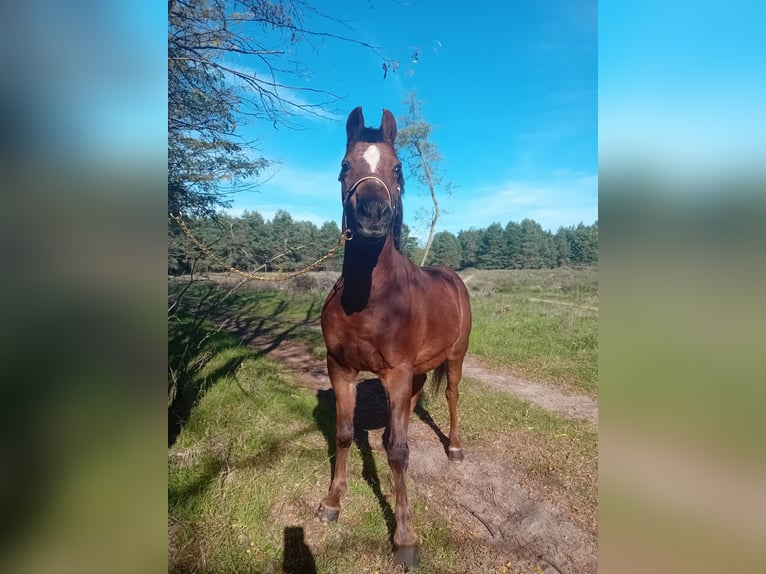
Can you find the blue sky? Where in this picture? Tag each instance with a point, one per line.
(509, 88)
(682, 86)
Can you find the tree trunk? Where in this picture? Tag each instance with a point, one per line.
(435, 217)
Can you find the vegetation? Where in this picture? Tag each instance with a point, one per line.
(251, 459)
(252, 243)
(422, 156)
(541, 324)
(208, 95)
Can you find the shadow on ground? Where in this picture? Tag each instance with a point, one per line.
(199, 331)
(370, 414)
(298, 558)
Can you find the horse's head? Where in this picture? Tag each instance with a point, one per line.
(371, 179)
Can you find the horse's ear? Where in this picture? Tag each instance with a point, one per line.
(354, 124)
(388, 127)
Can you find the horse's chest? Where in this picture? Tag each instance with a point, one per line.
(366, 342)
(363, 355)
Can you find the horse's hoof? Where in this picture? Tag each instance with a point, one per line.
(327, 514)
(455, 454)
(408, 556)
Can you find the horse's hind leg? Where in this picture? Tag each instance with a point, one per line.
(344, 384)
(454, 374)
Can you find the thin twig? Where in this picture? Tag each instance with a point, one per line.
(553, 564)
(480, 519)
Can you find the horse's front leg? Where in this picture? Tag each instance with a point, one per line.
(344, 384)
(398, 385)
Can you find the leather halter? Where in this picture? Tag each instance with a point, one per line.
(350, 191)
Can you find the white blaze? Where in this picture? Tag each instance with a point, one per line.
(372, 157)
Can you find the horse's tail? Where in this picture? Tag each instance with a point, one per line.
(438, 377)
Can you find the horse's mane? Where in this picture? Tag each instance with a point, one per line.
(396, 229)
(369, 135)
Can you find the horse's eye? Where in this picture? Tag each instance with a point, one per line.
(398, 169)
(344, 167)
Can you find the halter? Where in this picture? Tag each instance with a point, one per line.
(350, 191)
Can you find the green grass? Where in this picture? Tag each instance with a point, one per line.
(273, 314)
(250, 442)
(251, 460)
(541, 324)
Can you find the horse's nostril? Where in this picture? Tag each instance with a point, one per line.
(374, 208)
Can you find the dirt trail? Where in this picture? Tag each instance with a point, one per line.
(570, 405)
(575, 406)
(493, 502)
(564, 303)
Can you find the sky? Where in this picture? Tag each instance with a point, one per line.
(510, 90)
(682, 86)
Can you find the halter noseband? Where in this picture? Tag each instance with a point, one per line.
(350, 191)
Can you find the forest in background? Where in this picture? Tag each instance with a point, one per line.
(252, 243)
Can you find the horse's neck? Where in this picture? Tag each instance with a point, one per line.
(366, 268)
(362, 260)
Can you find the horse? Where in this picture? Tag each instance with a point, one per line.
(388, 316)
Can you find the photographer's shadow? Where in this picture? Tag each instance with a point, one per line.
(298, 558)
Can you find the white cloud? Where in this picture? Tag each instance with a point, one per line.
(307, 194)
(296, 181)
(567, 198)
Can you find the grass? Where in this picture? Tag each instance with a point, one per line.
(252, 457)
(541, 324)
(273, 314)
(252, 462)
(538, 323)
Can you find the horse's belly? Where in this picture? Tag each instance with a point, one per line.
(363, 356)
(429, 364)
(433, 350)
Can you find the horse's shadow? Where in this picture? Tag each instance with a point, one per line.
(370, 413)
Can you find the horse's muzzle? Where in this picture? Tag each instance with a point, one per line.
(373, 217)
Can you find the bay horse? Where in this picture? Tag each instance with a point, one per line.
(388, 316)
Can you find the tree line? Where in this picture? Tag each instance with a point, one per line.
(252, 243)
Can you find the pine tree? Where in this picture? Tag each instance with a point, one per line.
(445, 250)
(513, 245)
(470, 242)
(492, 250)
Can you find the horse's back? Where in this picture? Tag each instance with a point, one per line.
(455, 286)
(449, 305)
